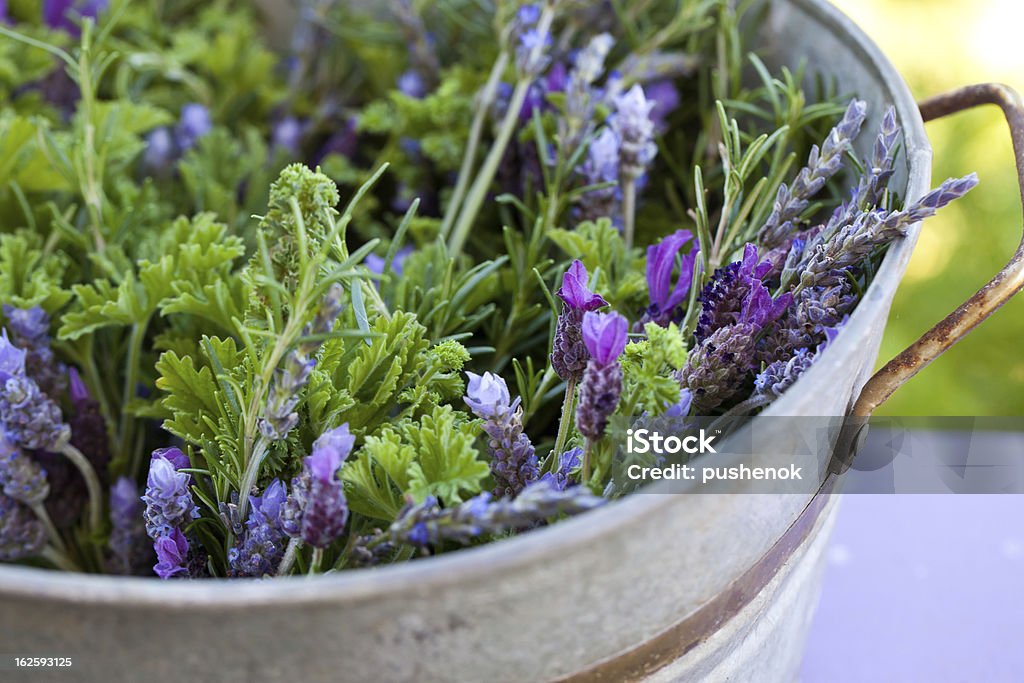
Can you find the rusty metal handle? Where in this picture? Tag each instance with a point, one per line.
(989, 298)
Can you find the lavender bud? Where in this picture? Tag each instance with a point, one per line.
(633, 125)
(822, 164)
(130, 551)
(599, 397)
(88, 428)
(160, 151)
(169, 503)
(21, 477)
(723, 298)
(260, 550)
(600, 167)
(317, 510)
(427, 524)
(22, 535)
(411, 84)
(195, 122)
(513, 459)
(30, 330)
(287, 135)
(172, 554)
(569, 355)
(60, 14)
(30, 419)
(718, 368)
(779, 376)
(279, 416)
(568, 462)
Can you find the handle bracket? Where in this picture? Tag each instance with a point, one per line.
(1000, 289)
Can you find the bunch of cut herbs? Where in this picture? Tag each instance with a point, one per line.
(377, 296)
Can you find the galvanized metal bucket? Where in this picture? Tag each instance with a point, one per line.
(652, 587)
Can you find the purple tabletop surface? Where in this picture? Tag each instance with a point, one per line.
(923, 588)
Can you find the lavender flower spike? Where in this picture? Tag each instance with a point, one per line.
(633, 125)
(30, 419)
(21, 478)
(22, 535)
(600, 168)
(427, 524)
(169, 503)
(666, 299)
(172, 554)
(513, 459)
(30, 330)
(260, 551)
(821, 165)
(316, 511)
(605, 336)
(779, 376)
(130, 550)
(195, 122)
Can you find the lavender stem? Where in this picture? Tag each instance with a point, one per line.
(92, 484)
(58, 559)
(51, 530)
(629, 210)
(289, 557)
(475, 132)
(563, 425)
(485, 176)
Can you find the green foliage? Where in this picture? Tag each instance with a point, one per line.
(648, 368)
(430, 456)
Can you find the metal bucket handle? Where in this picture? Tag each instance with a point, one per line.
(1000, 289)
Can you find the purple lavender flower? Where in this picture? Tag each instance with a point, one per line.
(822, 164)
(169, 503)
(575, 290)
(22, 535)
(428, 524)
(130, 550)
(29, 418)
(175, 456)
(828, 257)
(666, 99)
(4, 17)
(719, 367)
(530, 43)
(30, 330)
(722, 299)
(487, 395)
(600, 167)
(513, 459)
(633, 125)
(260, 551)
(667, 300)
(195, 122)
(21, 478)
(779, 376)
(411, 84)
(160, 151)
(286, 135)
(605, 336)
(316, 511)
(375, 263)
(568, 462)
(60, 14)
(172, 554)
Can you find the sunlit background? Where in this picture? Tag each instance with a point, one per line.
(938, 45)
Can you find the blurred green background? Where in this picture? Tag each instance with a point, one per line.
(939, 45)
